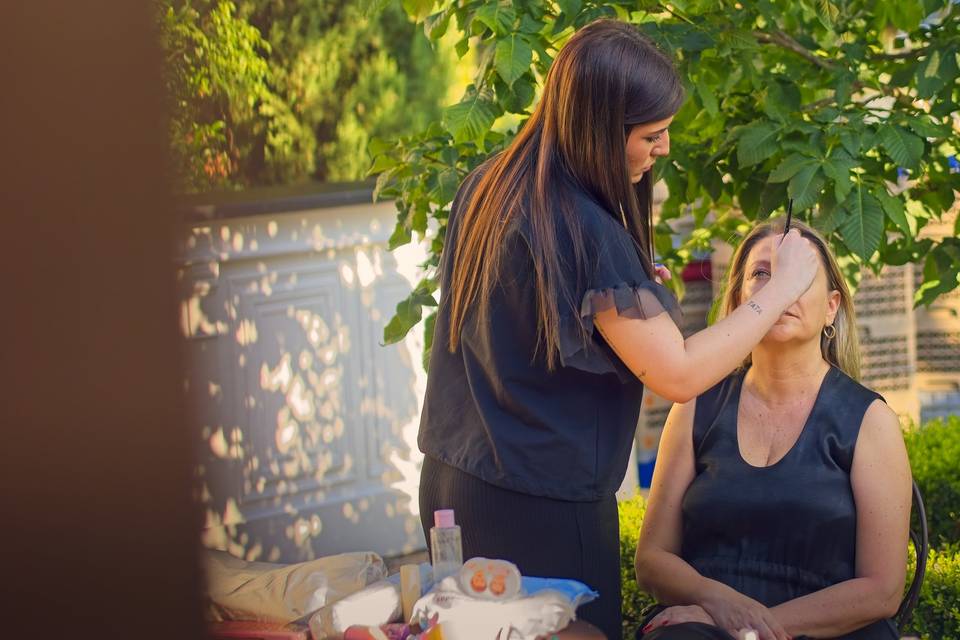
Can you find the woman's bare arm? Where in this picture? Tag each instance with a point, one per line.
(679, 369)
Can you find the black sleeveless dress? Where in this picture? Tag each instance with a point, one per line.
(783, 531)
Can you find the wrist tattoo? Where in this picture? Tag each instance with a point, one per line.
(753, 305)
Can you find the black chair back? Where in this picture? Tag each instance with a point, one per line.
(921, 544)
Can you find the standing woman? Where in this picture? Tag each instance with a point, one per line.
(551, 321)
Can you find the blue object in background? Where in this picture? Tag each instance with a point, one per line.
(574, 591)
(645, 472)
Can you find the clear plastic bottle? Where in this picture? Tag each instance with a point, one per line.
(446, 550)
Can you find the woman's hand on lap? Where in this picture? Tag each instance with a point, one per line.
(736, 612)
(678, 614)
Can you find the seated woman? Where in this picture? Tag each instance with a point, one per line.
(781, 497)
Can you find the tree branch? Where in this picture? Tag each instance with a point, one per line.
(902, 55)
(783, 40)
(902, 99)
(674, 13)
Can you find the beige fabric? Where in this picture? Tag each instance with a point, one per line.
(241, 590)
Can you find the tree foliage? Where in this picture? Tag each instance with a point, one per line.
(278, 91)
(837, 105)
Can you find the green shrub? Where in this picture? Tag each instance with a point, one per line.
(937, 615)
(934, 451)
(634, 600)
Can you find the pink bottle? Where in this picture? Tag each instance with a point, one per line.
(446, 549)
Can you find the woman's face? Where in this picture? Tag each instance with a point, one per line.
(645, 143)
(805, 318)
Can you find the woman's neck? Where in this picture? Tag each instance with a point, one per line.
(786, 372)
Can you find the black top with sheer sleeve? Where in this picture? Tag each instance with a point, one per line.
(492, 408)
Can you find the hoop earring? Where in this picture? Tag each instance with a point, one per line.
(831, 334)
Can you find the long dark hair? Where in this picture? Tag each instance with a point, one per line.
(606, 79)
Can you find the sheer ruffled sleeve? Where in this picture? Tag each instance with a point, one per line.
(610, 277)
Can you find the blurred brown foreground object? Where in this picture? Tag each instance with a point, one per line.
(99, 538)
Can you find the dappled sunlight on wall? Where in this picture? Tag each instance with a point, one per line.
(306, 424)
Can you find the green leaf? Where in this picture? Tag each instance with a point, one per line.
(925, 128)
(757, 142)
(863, 226)
(470, 119)
(447, 184)
(401, 235)
(379, 145)
(372, 8)
(436, 25)
(418, 9)
(772, 198)
(781, 100)
(831, 216)
(544, 58)
(805, 187)
(513, 57)
(407, 316)
(517, 98)
(936, 72)
(897, 213)
(838, 168)
(569, 10)
(827, 12)
(842, 89)
(530, 25)
(498, 17)
(851, 140)
(941, 273)
(418, 221)
(429, 327)
(594, 13)
(707, 96)
(381, 163)
(749, 197)
(789, 167)
(905, 148)
(696, 40)
(462, 46)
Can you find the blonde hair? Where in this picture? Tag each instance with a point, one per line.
(843, 350)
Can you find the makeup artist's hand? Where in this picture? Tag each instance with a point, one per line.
(795, 264)
(662, 272)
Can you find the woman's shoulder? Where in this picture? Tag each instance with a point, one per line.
(877, 414)
(590, 212)
(851, 412)
(848, 388)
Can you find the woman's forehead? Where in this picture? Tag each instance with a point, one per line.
(657, 125)
(762, 249)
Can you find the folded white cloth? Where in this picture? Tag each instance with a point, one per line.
(465, 617)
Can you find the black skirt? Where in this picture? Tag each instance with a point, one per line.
(544, 537)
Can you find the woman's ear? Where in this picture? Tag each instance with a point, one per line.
(833, 305)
